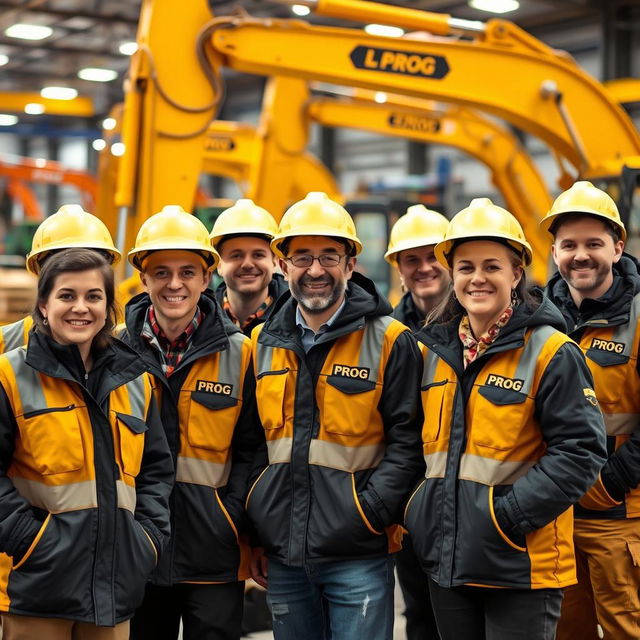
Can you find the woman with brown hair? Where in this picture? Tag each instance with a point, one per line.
(85, 470)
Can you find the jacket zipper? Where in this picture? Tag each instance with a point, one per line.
(39, 412)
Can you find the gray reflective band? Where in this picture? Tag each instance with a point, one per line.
(529, 359)
(203, 472)
(371, 346)
(350, 459)
(126, 496)
(429, 369)
(13, 335)
(490, 471)
(436, 464)
(620, 424)
(625, 333)
(230, 363)
(264, 358)
(135, 389)
(279, 450)
(59, 498)
(28, 383)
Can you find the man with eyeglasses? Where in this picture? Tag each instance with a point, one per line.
(337, 390)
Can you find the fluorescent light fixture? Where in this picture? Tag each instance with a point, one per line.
(59, 93)
(384, 30)
(495, 6)
(34, 108)
(6, 119)
(128, 48)
(117, 149)
(300, 10)
(3, 59)
(380, 97)
(28, 31)
(40, 163)
(98, 144)
(108, 124)
(94, 74)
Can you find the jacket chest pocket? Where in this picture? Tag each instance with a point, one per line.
(270, 391)
(499, 417)
(347, 405)
(212, 419)
(52, 438)
(432, 405)
(611, 367)
(131, 431)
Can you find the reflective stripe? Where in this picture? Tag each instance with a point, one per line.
(436, 464)
(491, 472)
(619, 424)
(13, 335)
(196, 471)
(279, 450)
(264, 358)
(126, 496)
(60, 498)
(429, 369)
(135, 389)
(625, 333)
(28, 383)
(230, 363)
(529, 359)
(371, 345)
(351, 459)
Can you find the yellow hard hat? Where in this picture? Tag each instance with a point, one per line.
(316, 215)
(172, 229)
(69, 227)
(244, 218)
(583, 197)
(418, 227)
(483, 220)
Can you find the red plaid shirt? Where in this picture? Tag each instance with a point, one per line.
(258, 313)
(171, 353)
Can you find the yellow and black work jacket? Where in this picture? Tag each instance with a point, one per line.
(407, 312)
(608, 332)
(85, 477)
(15, 335)
(208, 412)
(342, 429)
(510, 443)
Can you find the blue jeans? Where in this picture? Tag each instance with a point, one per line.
(348, 600)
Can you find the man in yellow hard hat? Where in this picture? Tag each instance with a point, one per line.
(410, 250)
(242, 237)
(337, 392)
(200, 362)
(70, 227)
(597, 288)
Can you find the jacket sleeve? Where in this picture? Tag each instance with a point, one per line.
(573, 430)
(19, 523)
(155, 480)
(403, 464)
(248, 447)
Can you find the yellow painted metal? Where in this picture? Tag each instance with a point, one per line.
(624, 90)
(80, 107)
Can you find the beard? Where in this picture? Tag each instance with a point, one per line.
(586, 284)
(317, 302)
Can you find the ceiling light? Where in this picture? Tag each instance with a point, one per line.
(108, 124)
(59, 93)
(28, 31)
(117, 149)
(384, 30)
(380, 97)
(300, 10)
(495, 6)
(97, 75)
(128, 48)
(98, 144)
(3, 59)
(41, 163)
(6, 119)
(34, 108)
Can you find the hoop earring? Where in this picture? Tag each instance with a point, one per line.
(514, 296)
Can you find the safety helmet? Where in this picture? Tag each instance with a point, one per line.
(418, 227)
(483, 220)
(173, 228)
(583, 197)
(69, 227)
(244, 218)
(316, 215)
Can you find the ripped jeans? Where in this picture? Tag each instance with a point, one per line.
(347, 600)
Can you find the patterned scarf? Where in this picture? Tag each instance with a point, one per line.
(472, 348)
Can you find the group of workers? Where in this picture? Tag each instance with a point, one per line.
(293, 427)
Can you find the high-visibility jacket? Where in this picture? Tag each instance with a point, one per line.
(208, 412)
(510, 443)
(608, 332)
(85, 480)
(15, 335)
(342, 431)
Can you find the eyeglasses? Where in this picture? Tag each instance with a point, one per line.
(305, 260)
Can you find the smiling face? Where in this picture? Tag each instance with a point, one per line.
(483, 277)
(422, 274)
(76, 308)
(246, 264)
(174, 281)
(584, 252)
